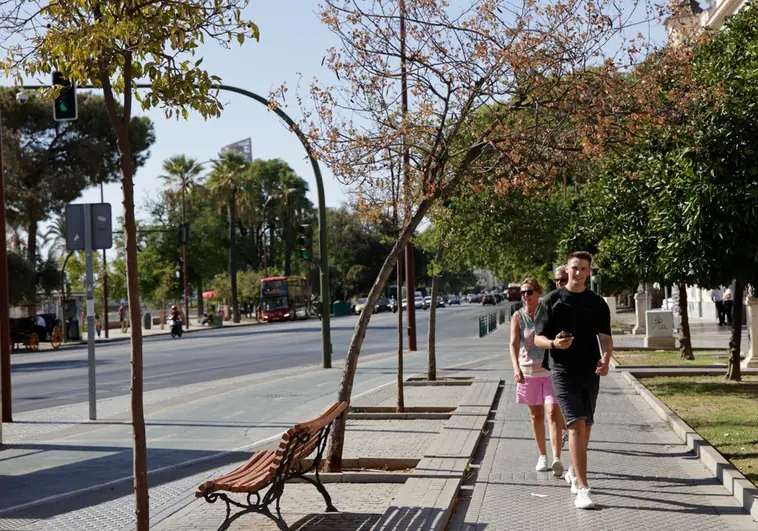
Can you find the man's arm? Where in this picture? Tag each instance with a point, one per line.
(606, 345)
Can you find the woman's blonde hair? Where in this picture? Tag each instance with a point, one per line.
(533, 282)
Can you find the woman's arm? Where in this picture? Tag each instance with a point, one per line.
(515, 347)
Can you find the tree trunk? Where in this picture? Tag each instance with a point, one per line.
(200, 301)
(233, 256)
(31, 242)
(288, 241)
(733, 372)
(431, 370)
(685, 339)
(271, 246)
(400, 390)
(121, 126)
(337, 437)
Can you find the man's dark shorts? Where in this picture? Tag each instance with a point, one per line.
(576, 394)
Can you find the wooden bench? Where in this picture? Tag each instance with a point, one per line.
(273, 468)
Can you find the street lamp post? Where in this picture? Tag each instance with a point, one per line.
(185, 267)
(5, 325)
(265, 247)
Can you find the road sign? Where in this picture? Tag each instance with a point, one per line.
(101, 226)
(243, 147)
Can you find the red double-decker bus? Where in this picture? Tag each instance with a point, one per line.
(284, 299)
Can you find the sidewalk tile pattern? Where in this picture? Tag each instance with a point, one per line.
(642, 477)
(389, 438)
(415, 396)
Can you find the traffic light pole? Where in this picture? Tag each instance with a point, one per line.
(326, 339)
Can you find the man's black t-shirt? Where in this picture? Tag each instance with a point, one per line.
(585, 315)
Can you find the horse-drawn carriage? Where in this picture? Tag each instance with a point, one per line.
(26, 331)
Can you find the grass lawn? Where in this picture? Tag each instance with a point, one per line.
(723, 413)
(670, 357)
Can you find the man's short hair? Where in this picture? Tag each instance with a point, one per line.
(581, 255)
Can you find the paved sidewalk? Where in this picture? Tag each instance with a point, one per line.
(641, 474)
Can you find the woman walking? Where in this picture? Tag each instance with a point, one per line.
(534, 383)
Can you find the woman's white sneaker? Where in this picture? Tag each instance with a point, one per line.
(570, 478)
(557, 467)
(582, 500)
(541, 464)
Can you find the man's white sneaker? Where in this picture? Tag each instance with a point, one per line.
(541, 464)
(582, 500)
(557, 467)
(570, 478)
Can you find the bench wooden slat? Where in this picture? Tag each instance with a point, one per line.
(258, 471)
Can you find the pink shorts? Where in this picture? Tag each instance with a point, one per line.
(536, 391)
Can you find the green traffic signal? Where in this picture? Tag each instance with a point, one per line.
(64, 108)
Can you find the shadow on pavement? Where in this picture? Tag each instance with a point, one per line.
(111, 464)
(55, 365)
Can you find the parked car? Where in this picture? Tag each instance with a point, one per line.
(420, 303)
(383, 305)
(360, 304)
(475, 297)
(513, 292)
(453, 299)
(488, 299)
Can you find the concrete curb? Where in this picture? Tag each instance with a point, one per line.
(738, 486)
(428, 498)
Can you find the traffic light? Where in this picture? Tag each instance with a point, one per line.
(183, 234)
(304, 241)
(64, 107)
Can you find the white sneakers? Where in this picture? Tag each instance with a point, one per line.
(570, 478)
(557, 467)
(582, 500)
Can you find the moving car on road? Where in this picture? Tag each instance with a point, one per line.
(453, 299)
(384, 305)
(360, 304)
(513, 292)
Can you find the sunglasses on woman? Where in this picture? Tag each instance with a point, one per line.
(528, 292)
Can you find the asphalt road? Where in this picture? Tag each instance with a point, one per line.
(49, 379)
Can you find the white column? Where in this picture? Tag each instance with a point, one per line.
(611, 302)
(641, 305)
(751, 305)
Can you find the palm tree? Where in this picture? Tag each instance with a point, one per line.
(230, 173)
(180, 171)
(55, 236)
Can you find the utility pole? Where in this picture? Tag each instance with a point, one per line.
(105, 278)
(185, 243)
(410, 284)
(5, 324)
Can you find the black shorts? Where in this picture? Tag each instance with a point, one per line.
(576, 394)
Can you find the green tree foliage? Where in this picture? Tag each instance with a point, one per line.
(49, 164)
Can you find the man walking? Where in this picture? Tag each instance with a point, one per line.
(717, 296)
(569, 322)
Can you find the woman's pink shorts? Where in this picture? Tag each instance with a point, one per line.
(536, 391)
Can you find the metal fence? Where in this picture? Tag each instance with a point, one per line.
(488, 323)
